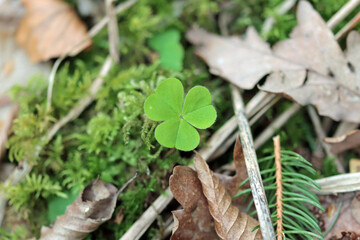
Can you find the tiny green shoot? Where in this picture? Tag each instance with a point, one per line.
(180, 117)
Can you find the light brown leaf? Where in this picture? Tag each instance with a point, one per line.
(345, 222)
(92, 207)
(230, 223)
(345, 142)
(241, 61)
(49, 29)
(309, 68)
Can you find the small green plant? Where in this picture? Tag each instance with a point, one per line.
(180, 117)
(171, 52)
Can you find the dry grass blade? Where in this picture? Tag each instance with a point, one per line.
(279, 189)
(49, 29)
(229, 222)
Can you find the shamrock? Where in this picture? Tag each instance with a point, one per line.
(180, 117)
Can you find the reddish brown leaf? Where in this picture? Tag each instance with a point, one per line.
(194, 221)
(344, 142)
(92, 207)
(231, 183)
(49, 29)
(230, 223)
(309, 68)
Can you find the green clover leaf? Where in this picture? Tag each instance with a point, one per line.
(180, 117)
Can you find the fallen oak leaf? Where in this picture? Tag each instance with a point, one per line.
(230, 223)
(309, 68)
(243, 62)
(332, 83)
(49, 29)
(94, 206)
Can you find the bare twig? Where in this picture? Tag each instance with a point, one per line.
(113, 30)
(342, 13)
(252, 167)
(230, 141)
(92, 32)
(275, 125)
(347, 28)
(279, 188)
(280, 10)
(264, 109)
(127, 183)
(344, 128)
(321, 136)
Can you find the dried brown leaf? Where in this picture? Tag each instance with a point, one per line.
(230, 223)
(241, 61)
(345, 142)
(92, 207)
(49, 29)
(231, 183)
(194, 221)
(309, 68)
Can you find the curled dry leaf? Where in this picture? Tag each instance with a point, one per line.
(230, 223)
(195, 221)
(345, 142)
(93, 206)
(309, 68)
(49, 29)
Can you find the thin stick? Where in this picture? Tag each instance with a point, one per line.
(321, 136)
(280, 10)
(113, 30)
(279, 188)
(347, 28)
(275, 125)
(252, 167)
(230, 141)
(93, 32)
(127, 183)
(263, 110)
(345, 127)
(342, 13)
